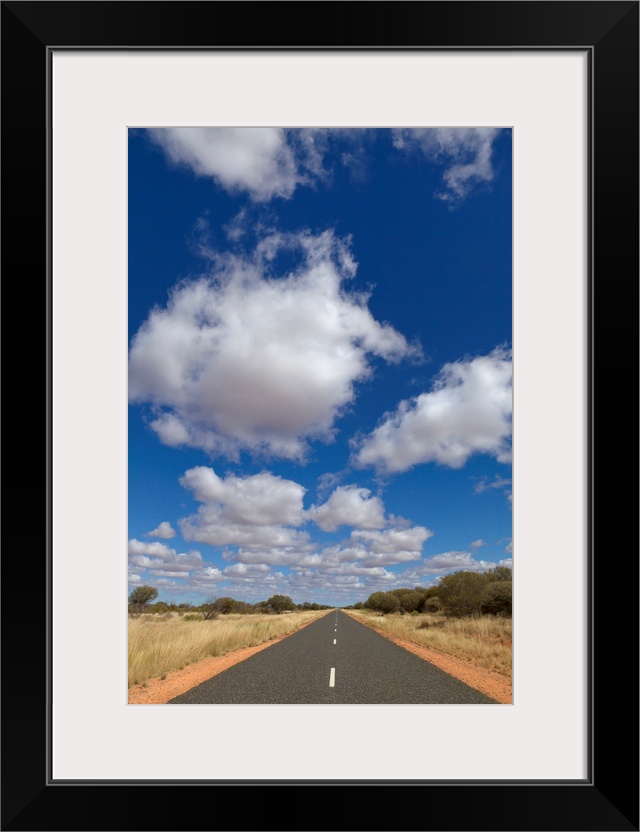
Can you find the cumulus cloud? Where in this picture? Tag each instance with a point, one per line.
(169, 573)
(258, 500)
(272, 162)
(254, 511)
(292, 556)
(164, 530)
(255, 160)
(208, 526)
(346, 582)
(159, 561)
(390, 546)
(241, 581)
(141, 561)
(346, 569)
(205, 579)
(179, 563)
(394, 540)
(365, 551)
(156, 550)
(476, 544)
(349, 506)
(245, 360)
(257, 516)
(246, 571)
(263, 162)
(466, 151)
(467, 411)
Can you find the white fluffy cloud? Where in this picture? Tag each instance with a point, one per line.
(384, 548)
(158, 560)
(270, 162)
(258, 517)
(209, 526)
(244, 360)
(467, 411)
(363, 553)
(164, 530)
(263, 162)
(346, 582)
(258, 500)
(156, 550)
(466, 150)
(254, 511)
(349, 506)
(256, 160)
(391, 541)
(141, 561)
(292, 556)
(180, 562)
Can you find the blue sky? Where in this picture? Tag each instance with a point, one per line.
(320, 328)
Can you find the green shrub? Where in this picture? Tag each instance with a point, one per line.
(410, 601)
(497, 598)
(461, 593)
(280, 603)
(384, 602)
(139, 599)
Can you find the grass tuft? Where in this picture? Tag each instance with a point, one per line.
(484, 640)
(157, 646)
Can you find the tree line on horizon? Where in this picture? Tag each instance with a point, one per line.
(459, 594)
(141, 597)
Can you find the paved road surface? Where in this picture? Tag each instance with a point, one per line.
(334, 660)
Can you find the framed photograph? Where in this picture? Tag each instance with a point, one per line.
(547, 92)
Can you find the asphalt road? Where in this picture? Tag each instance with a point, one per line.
(334, 660)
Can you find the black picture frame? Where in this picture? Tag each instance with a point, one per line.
(608, 798)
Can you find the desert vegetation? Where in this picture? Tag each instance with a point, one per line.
(160, 643)
(457, 595)
(141, 596)
(484, 640)
(466, 615)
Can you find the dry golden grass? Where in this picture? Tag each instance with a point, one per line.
(486, 640)
(158, 645)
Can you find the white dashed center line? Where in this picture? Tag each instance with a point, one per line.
(332, 678)
(334, 641)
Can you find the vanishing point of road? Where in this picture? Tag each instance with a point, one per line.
(334, 660)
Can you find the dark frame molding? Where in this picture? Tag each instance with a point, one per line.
(608, 799)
